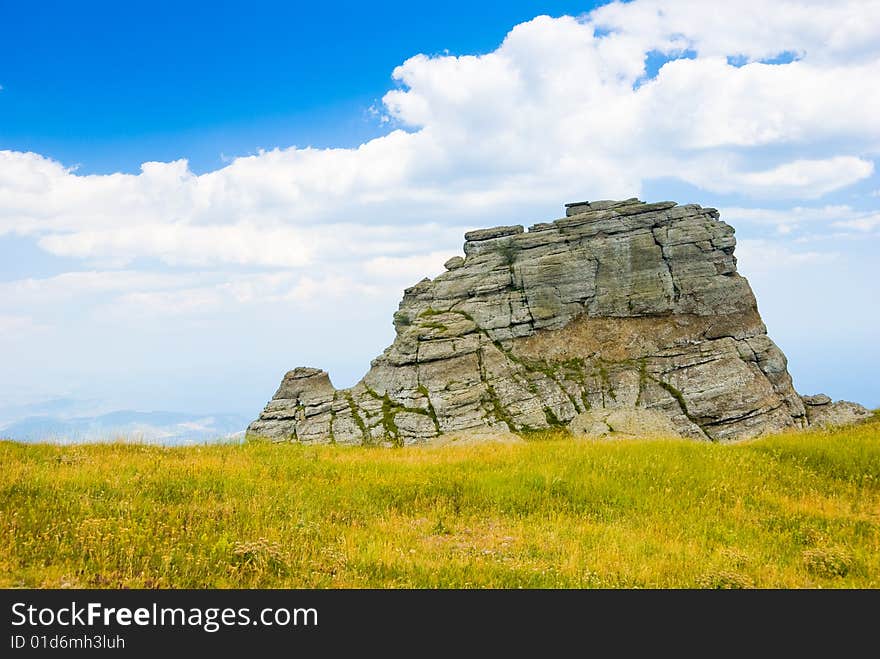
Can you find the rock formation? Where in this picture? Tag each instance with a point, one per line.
(619, 305)
(822, 412)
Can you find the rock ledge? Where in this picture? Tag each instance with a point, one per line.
(619, 305)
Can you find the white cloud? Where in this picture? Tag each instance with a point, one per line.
(240, 243)
(798, 214)
(411, 268)
(18, 326)
(786, 221)
(764, 256)
(554, 113)
(805, 179)
(845, 30)
(129, 293)
(813, 177)
(867, 222)
(51, 290)
(760, 104)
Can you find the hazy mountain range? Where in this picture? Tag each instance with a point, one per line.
(62, 420)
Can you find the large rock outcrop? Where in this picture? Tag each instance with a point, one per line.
(620, 304)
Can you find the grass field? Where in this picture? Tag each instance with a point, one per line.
(797, 510)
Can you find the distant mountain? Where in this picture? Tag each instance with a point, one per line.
(62, 408)
(152, 427)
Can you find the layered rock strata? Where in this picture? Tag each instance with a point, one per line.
(620, 304)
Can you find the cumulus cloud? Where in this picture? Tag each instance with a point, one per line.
(560, 110)
(241, 243)
(844, 30)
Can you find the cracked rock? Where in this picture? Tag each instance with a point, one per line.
(622, 315)
(824, 413)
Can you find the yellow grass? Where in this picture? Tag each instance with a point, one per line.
(797, 510)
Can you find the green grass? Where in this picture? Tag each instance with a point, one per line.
(796, 510)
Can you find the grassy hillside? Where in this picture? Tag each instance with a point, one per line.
(799, 510)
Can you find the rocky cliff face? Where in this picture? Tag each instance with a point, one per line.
(620, 304)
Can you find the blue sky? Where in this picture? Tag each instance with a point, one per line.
(193, 200)
(109, 85)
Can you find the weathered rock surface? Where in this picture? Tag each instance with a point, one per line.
(476, 436)
(822, 412)
(625, 421)
(620, 304)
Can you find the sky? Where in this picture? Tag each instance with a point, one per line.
(195, 200)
